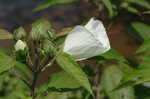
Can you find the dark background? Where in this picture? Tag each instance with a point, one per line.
(15, 13)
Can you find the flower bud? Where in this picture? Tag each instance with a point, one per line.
(48, 47)
(41, 30)
(19, 33)
(20, 45)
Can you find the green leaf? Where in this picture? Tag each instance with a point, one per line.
(49, 3)
(57, 80)
(146, 12)
(5, 35)
(132, 10)
(113, 55)
(141, 30)
(109, 6)
(68, 64)
(145, 60)
(110, 79)
(144, 51)
(129, 8)
(143, 3)
(6, 62)
(13, 87)
(64, 95)
(136, 77)
(23, 71)
(145, 47)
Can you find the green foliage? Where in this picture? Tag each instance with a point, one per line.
(132, 10)
(143, 3)
(109, 6)
(128, 5)
(125, 4)
(114, 55)
(142, 29)
(6, 62)
(146, 12)
(67, 63)
(12, 88)
(4, 35)
(49, 3)
(145, 47)
(21, 70)
(64, 95)
(57, 80)
(110, 79)
(135, 77)
(142, 73)
(144, 58)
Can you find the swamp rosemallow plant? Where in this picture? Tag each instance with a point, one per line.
(82, 42)
(39, 49)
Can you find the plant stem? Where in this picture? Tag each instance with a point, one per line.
(35, 71)
(49, 64)
(33, 86)
(97, 82)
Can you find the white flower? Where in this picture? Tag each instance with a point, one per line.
(87, 41)
(20, 45)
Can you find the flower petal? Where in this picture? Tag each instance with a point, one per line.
(97, 28)
(81, 44)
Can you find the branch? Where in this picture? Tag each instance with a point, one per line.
(49, 64)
